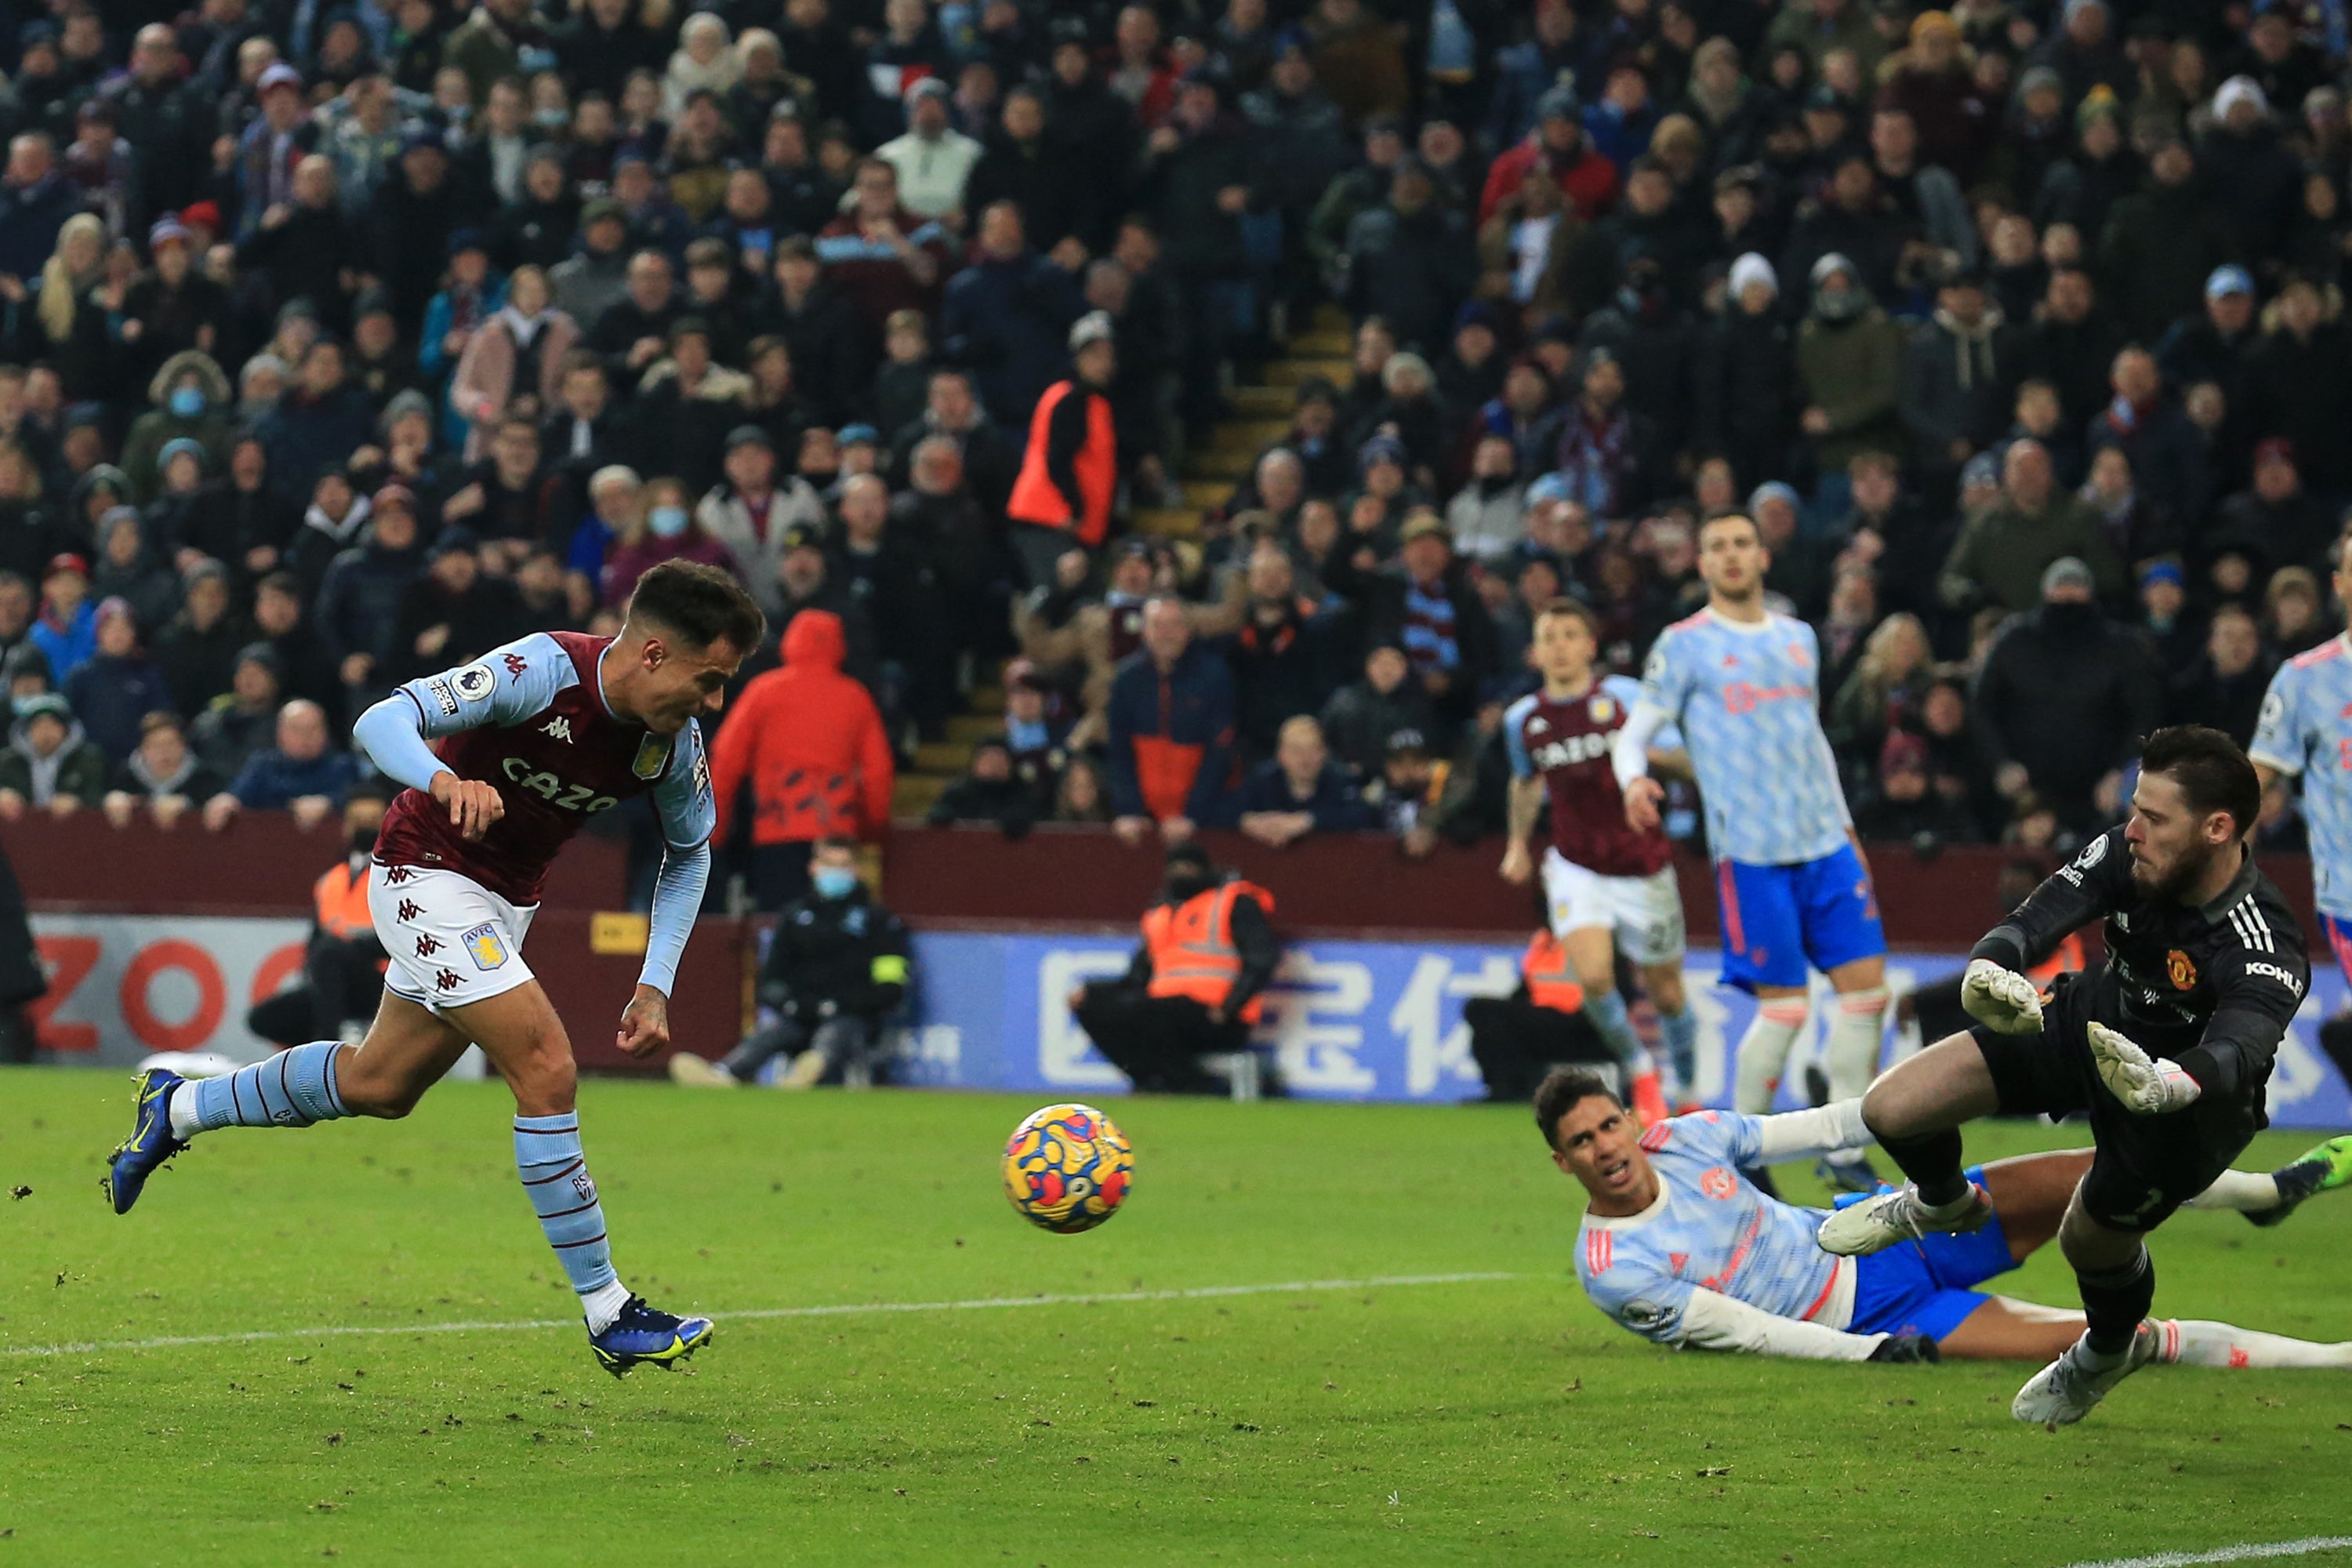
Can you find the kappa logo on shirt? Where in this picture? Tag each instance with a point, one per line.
(559, 726)
(515, 664)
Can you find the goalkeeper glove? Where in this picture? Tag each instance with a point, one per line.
(2148, 1086)
(2001, 999)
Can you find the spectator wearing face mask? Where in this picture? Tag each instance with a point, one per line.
(836, 969)
(192, 401)
(663, 531)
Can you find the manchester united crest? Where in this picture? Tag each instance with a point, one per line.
(2179, 970)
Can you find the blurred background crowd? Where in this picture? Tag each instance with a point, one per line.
(1165, 415)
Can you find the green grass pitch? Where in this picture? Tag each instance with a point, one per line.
(1492, 1421)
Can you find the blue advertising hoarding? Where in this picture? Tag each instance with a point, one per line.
(1359, 1020)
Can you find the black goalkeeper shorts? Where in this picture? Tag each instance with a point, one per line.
(2146, 1166)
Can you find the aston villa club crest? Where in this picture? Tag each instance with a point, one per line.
(484, 946)
(2179, 970)
(653, 751)
(1603, 709)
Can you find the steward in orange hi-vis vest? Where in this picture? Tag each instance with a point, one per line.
(1191, 990)
(1550, 978)
(342, 978)
(1192, 947)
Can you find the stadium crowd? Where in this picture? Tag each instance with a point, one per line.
(346, 342)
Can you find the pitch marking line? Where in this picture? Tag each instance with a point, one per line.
(842, 1309)
(2244, 1552)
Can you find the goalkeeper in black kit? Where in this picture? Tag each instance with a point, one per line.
(2165, 1047)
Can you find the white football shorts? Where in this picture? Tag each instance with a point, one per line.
(451, 941)
(1643, 913)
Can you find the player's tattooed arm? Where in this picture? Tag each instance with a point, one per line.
(1526, 797)
(645, 1023)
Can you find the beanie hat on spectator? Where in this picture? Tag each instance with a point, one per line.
(1559, 103)
(1753, 269)
(857, 435)
(1773, 490)
(115, 605)
(465, 239)
(2240, 90)
(2038, 78)
(1981, 470)
(1093, 327)
(2229, 279)
(749, 435)
(264, 655)
(25, 661)
(1550, 487)
(66, 560)
(454, 541)
(603, 209)
(33, 35)
(278, 76)
(176, 447)
(2066, 571)
(425, 139)
(166, 231)
(405, 404)
(203, 566)
(52, 703)
(804, 536)
(927, 86)
(2164, 572)
(398, 495)
(204, 215)
(1380, 449)
(1407, 743)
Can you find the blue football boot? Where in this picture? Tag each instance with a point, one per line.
(151, 1142)
(643, 1335)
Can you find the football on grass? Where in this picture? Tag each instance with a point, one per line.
(1067, 1168)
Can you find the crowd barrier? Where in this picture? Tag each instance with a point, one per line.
(160, 939)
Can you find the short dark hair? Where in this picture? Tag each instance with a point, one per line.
(1574, 609)
(1562, 1089)
(1706, 523)
(703, 605)
(2214, 774)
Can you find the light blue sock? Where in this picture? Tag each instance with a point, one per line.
(555, 1174)
(1607, 1011)
(292, 1089)
(1681, 1031)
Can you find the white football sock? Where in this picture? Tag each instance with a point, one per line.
(1764, 1051)
(182, 1109)
(1856, 1032)
(603, 1304)
(2191, 1342)
(2246, 1192)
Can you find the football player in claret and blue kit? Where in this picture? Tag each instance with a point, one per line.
(505, 759)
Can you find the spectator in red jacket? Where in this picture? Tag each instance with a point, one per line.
(1558, 144)
(1171, 718)
(811, 742)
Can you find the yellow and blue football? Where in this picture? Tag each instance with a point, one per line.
(1067, 1168)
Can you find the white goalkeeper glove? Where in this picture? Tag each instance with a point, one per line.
(2148, 1087)
(2001, 999)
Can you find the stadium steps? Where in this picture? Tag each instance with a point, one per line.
(1260, 417)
